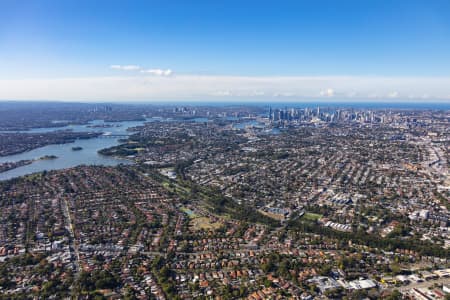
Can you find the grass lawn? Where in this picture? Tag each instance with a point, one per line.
(311, 216)
(271, 215)
(204, 223)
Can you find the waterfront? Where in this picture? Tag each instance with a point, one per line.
(66, 157)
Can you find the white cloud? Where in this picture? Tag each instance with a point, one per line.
(149, 87)
(284, 94)
(352, 94)
(393, 94)
(258, 93)
(125, 67)
(158, 72)
(221, 93)
(327, 93)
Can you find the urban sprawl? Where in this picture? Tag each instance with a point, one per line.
(231, 202)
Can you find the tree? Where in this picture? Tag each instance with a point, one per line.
(396, 295)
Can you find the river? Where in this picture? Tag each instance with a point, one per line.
(66, 156)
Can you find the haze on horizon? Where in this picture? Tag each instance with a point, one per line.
(232, 51)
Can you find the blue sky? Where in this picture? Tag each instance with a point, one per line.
(241, 49)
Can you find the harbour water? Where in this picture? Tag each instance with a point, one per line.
(66, 157)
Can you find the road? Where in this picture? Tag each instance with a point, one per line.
(72, 246)
(424, 284)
